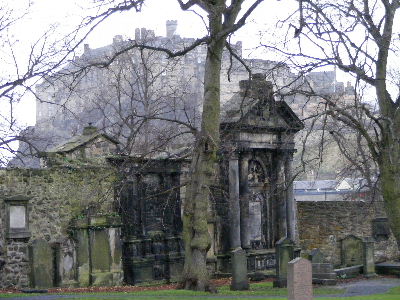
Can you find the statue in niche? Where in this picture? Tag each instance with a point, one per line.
(256, 173)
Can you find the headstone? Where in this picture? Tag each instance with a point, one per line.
(316, 256)
(284, 254)
(240, 281)
(82, 253)
(352, 251)
(42, 269)
(299, 279)
(323, 273)
(369, 263)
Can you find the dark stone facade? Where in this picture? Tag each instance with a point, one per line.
(149, 201)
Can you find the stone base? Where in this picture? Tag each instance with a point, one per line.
(280, 283)
(240, 286)
(371, 275)
(324, 281)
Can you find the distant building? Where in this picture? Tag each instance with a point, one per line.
(347, 189)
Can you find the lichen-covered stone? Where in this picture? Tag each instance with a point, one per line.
(56, 196)
(323, 224)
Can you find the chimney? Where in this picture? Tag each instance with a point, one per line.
(143, 33)
(117, 39)
(137, 34)
(86, 48)
(89, 130)
(171, 26)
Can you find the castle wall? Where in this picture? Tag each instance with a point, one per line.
(323, 224)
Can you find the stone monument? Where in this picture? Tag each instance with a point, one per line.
(299, 279)
(284, 254)
(369, 263)
(239, 270)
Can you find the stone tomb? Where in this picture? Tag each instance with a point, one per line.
(42, 268)
(351, 251)
(299, 279)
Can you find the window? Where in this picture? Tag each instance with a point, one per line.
(17, 217)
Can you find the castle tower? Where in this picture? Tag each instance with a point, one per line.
(171, 27)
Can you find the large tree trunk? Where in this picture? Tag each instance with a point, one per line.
(195, 228)
(389, 166)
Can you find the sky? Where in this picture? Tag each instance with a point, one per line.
(64, 15)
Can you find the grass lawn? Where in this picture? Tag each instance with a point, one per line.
(257, 291)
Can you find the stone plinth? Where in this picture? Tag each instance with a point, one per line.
(299, 279)
(239, 270)
(368, 263)
(284, 254)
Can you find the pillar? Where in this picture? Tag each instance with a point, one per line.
(234, 205)
(290, 202)
(244, 202)
(279, 191)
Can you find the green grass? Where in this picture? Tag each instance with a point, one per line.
(258, 290)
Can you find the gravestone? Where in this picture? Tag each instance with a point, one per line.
(322, 272)
(100, 258)
(240, 281)
(42, 270)
(284, 254)
(369, 263)
(351, 251)
(316, 256)
(299, 279)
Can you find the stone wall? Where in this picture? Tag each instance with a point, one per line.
(56, 196)
(323, 224)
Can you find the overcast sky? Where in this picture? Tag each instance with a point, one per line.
(64, 15)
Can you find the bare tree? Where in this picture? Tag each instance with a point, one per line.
(358, 37)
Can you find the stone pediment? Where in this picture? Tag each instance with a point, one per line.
(254, 107)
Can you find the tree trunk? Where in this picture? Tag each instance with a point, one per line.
(195, 228)
(389, 166)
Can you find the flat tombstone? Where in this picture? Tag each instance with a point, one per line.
(352, 251)
(299, 279)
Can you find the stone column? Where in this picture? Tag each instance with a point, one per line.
(234, 205)
(290, 202)
(369, 263)
(244, 202)
(279, 187)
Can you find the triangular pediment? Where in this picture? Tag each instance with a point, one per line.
(260, 113)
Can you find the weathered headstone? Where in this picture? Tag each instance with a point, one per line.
(239, 270)
(284, 254)
(316, 256)
(352, 251)
(42, 270)
(323, 273)
(299, 279)
(82, 253)
(369, 263)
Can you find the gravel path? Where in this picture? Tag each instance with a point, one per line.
(368, 287)
(357, 288)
